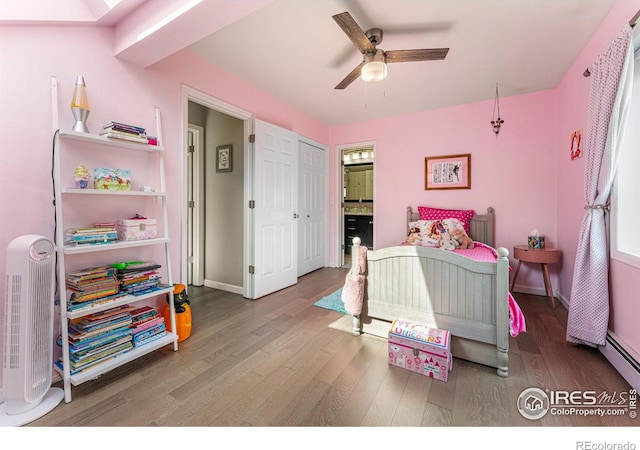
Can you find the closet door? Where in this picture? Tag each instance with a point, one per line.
(311, 194)
(275, 189)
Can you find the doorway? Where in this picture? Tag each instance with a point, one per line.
(356, 197)
(230, 209)
(214, 201)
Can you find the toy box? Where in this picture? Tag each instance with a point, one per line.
(136, 229)
(112, 179)
(420, 349)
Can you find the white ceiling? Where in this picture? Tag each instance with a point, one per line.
(294, 50)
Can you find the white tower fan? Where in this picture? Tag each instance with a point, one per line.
(28, 331)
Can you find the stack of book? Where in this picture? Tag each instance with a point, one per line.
(139, 279)
(95, 338)
(119, 130)
(147, 325)
(99, 233)
(92, 285)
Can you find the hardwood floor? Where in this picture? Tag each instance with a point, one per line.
(281, 361)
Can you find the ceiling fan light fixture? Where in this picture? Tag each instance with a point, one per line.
(375, 67)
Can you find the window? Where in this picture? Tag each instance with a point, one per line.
(625, 201)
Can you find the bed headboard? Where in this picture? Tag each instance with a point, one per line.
(481, 226)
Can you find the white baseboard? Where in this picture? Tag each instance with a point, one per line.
(223, 286)
(538, 291)
(624, 360)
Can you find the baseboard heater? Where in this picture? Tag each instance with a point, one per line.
(623, 361)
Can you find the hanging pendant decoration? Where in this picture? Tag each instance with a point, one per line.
(497, 121)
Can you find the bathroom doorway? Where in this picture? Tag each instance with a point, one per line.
(357, 219)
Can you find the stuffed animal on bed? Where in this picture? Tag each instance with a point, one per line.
(414, 237)
(447, 242)
(447, 234)
(461, 239)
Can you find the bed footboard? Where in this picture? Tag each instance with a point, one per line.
(443, 290)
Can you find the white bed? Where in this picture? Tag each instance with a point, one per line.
(445, 290)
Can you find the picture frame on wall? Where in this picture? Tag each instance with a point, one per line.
(447, 172)
(224, 158)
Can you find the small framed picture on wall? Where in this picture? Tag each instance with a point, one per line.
(224, 158)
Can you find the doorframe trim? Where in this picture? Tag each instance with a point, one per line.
(339, 208)
(190, 94)
(198, 199)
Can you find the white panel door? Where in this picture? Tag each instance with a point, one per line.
(275, 195)
(311, 223)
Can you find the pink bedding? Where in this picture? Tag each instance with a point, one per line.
(485, 253)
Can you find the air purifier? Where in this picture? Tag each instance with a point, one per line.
(28, 331)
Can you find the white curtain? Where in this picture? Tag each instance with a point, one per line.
(609, 101)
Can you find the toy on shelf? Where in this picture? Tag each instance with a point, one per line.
(81, 175)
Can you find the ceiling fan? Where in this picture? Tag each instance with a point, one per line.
(374, 60)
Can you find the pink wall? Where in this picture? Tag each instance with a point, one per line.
(515, 173)
(573, 96)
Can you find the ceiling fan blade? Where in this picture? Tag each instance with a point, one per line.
(354, 32)
(424, 54)
(353, 76)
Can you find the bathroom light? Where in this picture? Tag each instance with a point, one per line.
(375, 68)
(80, 106)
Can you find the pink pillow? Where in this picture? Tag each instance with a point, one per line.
(464, 216)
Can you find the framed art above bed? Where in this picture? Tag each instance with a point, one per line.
(447, 172)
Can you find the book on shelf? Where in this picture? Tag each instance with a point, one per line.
(151, 323)
(124, 136)
(91, 272)
(77, 297)
(78, 334)
(88, 351)
(123, 126)
(86, 236)
(149, 335)
(75, 305)
(98, 320)
(76, 368)
(151, 339)
(103, 228)
(92, 284)
(92, 289)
